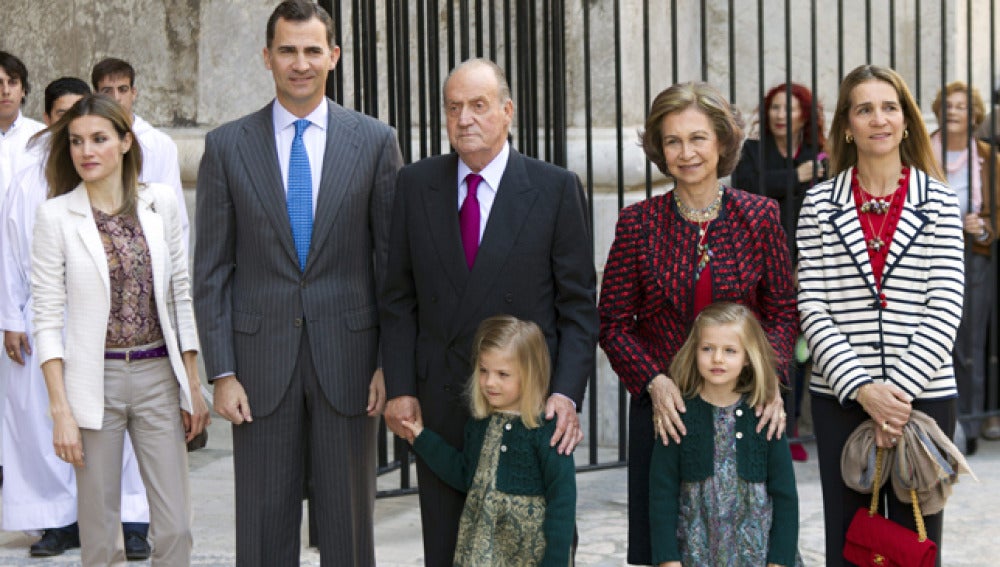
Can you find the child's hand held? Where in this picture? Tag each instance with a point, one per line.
(415, 427)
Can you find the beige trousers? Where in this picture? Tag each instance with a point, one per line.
(142, 397)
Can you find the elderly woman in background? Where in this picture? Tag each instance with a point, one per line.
(672, 256)
(114, 330)
(978, 198)
(880, 287)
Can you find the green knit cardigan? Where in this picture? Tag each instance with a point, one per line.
(757, 460)
(527, 466)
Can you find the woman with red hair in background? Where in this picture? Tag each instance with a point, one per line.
(791, 142)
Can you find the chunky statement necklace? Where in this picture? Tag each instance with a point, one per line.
(700, 215)
(876, 206)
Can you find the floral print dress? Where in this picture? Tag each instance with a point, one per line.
(499, 529)
(725, 520)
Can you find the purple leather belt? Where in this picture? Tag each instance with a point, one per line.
(136, 354)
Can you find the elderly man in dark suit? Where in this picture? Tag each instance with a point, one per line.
(292, 232)
(479, 232)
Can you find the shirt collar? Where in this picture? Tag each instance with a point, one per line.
(492, 173)
(282, 118)
(13, 125)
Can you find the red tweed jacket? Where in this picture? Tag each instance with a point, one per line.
(647, 295)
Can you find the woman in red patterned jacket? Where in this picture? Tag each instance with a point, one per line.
(672, 256)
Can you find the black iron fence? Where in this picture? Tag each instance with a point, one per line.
(583, 73)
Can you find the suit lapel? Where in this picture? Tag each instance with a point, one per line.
(260, 158)
(339, 159)
(441, 212)
(848, 227)
(79, 204)
(510, 210)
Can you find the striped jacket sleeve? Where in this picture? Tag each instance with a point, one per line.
(931, 343)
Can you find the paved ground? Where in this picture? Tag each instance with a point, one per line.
(970, 528)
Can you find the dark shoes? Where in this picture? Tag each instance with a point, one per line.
(55, 541)
(971, 446)
(136, 547)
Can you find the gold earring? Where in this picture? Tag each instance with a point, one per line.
(906, 133)
(849, 138)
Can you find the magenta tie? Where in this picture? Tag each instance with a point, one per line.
(468, 219)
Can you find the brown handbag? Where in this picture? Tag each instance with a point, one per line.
(875, 541)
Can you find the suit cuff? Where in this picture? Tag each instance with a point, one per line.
(565, 396)
(223, 375)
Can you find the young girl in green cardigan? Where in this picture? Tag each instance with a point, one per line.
(725, 495)
(521, 503)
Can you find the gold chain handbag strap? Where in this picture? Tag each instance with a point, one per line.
(918, 517)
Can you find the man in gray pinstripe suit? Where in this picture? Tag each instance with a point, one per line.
(289, 326)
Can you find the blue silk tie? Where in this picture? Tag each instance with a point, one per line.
(300, 194)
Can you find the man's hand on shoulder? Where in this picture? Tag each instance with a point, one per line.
(568, 433)
(399, 409)
(231, 400)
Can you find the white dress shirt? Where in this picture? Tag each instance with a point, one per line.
(486, 193)
(13, 144)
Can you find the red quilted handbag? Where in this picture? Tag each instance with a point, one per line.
(874, 541)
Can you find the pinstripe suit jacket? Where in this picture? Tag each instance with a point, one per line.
(250, 295)
(852, 337)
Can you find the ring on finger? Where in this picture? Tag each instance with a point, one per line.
(893, 440)
(885, 426)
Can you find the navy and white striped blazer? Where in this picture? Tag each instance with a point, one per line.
(852, 337)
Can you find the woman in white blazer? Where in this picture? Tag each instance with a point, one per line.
(114, 330)
(880, 287)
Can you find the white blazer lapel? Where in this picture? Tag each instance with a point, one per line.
(152, 228)
(79, 204)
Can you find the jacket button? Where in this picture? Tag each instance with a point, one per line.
(739, 435)
(298, 321)
(503, 448)
(739, 413)
(302, 284)
(508, 297)
(508, 427)
(434, 299)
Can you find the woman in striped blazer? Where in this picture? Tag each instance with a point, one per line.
(880, 286)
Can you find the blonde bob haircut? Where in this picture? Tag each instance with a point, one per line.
(759, 377)
(726, 120)
(974, 100)
(61, 174)
(525, 343)
(914, 149)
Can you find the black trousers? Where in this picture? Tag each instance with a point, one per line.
(833, 424)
